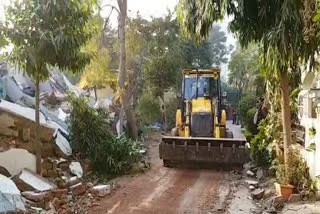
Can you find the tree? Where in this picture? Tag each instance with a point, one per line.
(122, 4)
(219, 49)
(97, 74)
(277, 25)
(166, 53)
(165, 58)
(244, 70)
(40, 41)
(124, 88)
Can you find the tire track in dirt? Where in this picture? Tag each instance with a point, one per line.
(163, 191)
(201, 196)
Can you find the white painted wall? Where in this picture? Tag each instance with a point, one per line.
(311, 157)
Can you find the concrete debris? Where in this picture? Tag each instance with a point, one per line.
(63, 144)
(257, 194)
(252, 188)
(35, 196)
(59, 192)
(74, 89)
(20, 111)
(61, 183)
(250, 173)
(78, 189)
(294, 198)
(29, 181)
(15, 160)
(4, 171)
(62, 115)
(278, 201)
(73, 180)
(101, 190)
(268, 193)
(249, 165)
(89, 185)
(18, 119)
(56, 203)
(261, 173)
(12, 91)
(10, 197)
(76, 169)
(252, 183)
(54, 168)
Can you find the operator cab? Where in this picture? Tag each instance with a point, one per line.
(201, 83)
(203, 86)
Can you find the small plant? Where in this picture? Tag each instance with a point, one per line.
(312, 132)
(314, 186)
(298, 174)
(311, 147)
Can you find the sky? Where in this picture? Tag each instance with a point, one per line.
(146, 8)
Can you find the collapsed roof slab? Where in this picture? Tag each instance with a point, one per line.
(10, 197)
(15, 160)
(29, 181)
(17, 120)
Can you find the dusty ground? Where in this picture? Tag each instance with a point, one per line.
(164, 190)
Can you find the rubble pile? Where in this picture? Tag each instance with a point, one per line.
(262, 190)
(62, 190)
(61, 187)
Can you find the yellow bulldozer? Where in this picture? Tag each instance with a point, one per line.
(201, 134)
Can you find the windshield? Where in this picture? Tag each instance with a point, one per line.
(207, 87)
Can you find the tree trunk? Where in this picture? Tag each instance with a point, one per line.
(125, 104)
(122, 67)
(286, 119)
(37, 134)
(132, 123)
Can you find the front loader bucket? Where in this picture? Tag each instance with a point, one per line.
(227, 151)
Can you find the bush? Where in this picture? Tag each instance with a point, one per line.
(260, 147)
(247, 111)
(298, 174)
(269, 134)
(248, 121)
(91, 136)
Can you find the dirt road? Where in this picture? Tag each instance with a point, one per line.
(164, 190)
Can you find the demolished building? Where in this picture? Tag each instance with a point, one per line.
(60, 182)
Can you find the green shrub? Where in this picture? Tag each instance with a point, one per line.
(92, 137)
(260, 147)
(298, 174)
(248, 120)
(247, 111)
(269, 134)
(249, 136)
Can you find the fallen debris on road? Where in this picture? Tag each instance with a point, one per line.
(10, 197)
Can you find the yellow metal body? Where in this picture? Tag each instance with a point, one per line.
(201, 105)
(194, 144)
